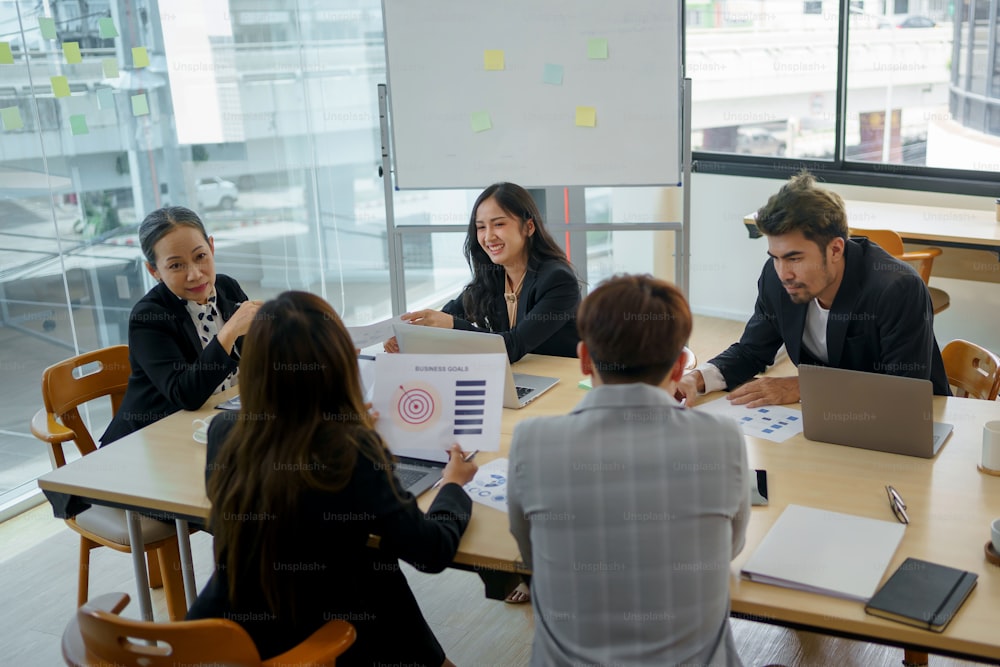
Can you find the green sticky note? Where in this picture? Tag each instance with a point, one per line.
(6, 57)
(586, 117)
(552, 74)
(105, 98)
(140, 57)
(140, 105)
(110, 67)
(481, 121)
(78, 124)
(72, 52)
(47, 26)
(493, 60)
(597, 48)
(107, 27)
(11, 118)
(60, 86)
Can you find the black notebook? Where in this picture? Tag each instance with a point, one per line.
(923, 594)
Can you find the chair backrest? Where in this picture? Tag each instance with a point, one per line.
(972, 369)
(887, 239)
(64, 389)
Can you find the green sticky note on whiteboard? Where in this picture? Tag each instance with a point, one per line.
(78, 124)
(72, 52)
(140, 57)
(11, 118)
(60, 86)
(140, 105)
(110, 67)
(105, 98)
(597, 49)
(6, 57)
(47, 26)
(481, 121)
(107, 27)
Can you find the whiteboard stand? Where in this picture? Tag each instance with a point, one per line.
(397, 288)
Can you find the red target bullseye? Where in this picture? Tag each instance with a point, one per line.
(416, 406)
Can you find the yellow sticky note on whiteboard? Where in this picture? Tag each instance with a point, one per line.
(140, 57)
(586, 117)
(72, 52)
(60, 86)
(493, 60)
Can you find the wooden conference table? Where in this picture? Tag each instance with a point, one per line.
(949, 501)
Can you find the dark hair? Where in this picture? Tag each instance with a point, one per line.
(635, 328)
(301, 428)
(801, 206)
(483, 297)
(161, 222)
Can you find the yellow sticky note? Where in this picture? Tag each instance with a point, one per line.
(597, 49)
(6, 57)
(60, 86)
(140, 105)
(480, 121)
(11, 118)
(493, 60)
(586, 117)
(47, 26)
(110, 67)
(140, 57)
(72, 52)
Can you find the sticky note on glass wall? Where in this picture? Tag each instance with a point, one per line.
(481, 121)
(553, 74)
(78, 124)
(60, 86)
(110, 67)
(105, 98)
(597, 48)
(6, 57)
(107, 28)
(11, 118)
(586, 117)
(140, 105)
(47, 26)
(493, 60)
(140, 57)
(72, 52)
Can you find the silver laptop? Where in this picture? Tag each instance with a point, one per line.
(886, 413)
(519, 389)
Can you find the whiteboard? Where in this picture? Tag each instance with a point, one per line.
(442, 96)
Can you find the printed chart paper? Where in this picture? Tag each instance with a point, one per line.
(370, 334)
(776, 423)
(489, 486)
(427, 402)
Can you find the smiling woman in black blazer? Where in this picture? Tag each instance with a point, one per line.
(184, 335)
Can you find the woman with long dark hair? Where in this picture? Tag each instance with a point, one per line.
(300, 481)
(522, 288)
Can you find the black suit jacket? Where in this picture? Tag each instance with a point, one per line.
(170, 370)
(325, 562)
(881, 321)
(546, 313)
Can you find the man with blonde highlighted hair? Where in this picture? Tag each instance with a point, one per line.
(630, 508)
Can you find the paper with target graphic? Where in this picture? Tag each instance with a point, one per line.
(426, 402)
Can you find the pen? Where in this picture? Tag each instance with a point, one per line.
(468, 457)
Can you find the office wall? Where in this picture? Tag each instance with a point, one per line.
(725, 263)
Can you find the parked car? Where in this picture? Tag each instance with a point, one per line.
(217, 192)
(758, 141)
(907, 22)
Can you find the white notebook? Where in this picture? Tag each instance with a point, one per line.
(825, 552)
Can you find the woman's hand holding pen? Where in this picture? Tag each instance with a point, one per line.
(238, 324)
(460, 468)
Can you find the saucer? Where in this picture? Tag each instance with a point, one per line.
(991, 554)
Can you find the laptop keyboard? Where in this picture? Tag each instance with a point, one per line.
(521, 391)
(408, 476)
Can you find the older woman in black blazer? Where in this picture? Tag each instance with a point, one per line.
(184, 334)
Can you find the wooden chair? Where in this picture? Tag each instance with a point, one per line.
(923, 259)
(97, 635)
(64, 389)
(972, 370)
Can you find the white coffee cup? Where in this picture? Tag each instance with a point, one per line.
(995, 535)
(201, 429)
(991, 447)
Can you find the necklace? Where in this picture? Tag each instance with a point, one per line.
(511, 298)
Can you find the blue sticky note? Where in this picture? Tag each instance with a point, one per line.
(552, 74)
(106, 98)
